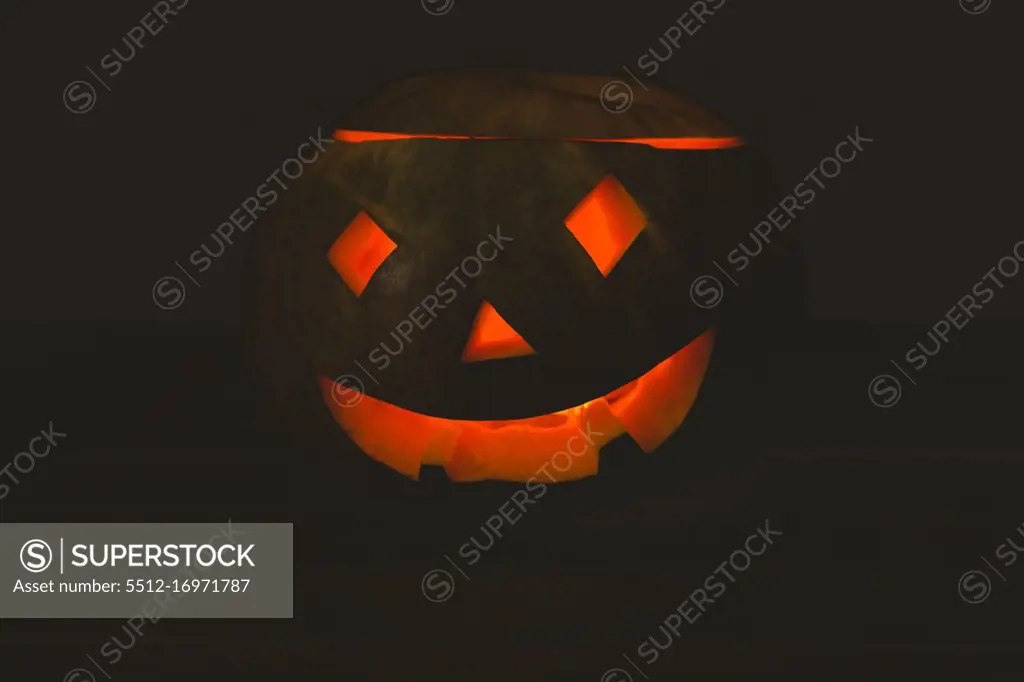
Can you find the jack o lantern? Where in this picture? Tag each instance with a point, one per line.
(485, 270)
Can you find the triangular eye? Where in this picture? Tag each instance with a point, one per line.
(361, 248)
(606, 222)
(492, 338)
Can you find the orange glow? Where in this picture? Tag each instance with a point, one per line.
(606, 222)
(565, 444)
(656, 142)
(360, 249)
(492, 338)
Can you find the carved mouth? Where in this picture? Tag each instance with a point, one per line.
(560, 446)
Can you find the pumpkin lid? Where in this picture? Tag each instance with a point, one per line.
(533, 106)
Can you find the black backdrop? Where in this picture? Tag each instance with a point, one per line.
(882, 510)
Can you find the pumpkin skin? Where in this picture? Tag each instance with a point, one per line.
(433, 202)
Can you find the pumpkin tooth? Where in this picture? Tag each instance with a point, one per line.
(441, 445)
(662, 398)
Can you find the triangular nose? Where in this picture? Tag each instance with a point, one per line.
(492, 338)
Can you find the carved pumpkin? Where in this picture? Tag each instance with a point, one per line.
(372, 278)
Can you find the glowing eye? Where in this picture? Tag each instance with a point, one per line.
(606, 222)
(360, 249)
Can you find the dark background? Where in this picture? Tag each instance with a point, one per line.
(882, 510)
